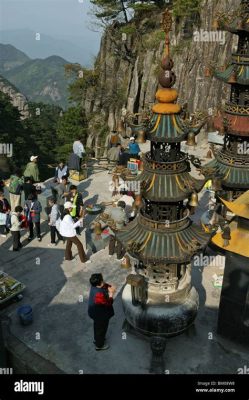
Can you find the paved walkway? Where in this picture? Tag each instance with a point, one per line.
(62, 333)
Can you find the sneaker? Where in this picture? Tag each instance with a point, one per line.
(51, 244)
(30, 237)
(105, 347)
(39, 239)
(87, 262)
(3, 235)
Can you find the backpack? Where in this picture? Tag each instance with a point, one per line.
(15, 185)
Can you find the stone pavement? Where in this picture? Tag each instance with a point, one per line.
(62, 333)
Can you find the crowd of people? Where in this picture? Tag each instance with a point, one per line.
(65, 219)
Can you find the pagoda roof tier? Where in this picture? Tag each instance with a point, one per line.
(169, 183)
(169, 128)
(240, 59)
(238, 124)
(236, 28)
(154, 243)
(233, 176)
(242, 74)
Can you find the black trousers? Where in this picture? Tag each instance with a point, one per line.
(16, 240)
(37, 228)
(116, 246)
(53, 233)
(100, 328)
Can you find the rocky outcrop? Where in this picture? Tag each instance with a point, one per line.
(128, 68)
(17, 99)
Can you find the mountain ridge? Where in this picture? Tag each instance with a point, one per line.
(39, 79)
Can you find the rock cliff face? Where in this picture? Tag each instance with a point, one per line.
(17, 99)
(128, 65)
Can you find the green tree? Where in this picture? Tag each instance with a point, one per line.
(109, 10)
(72, 125)
(41, 128)
(12, 132)
(186, 8)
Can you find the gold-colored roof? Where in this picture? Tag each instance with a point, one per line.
(239, 206)
(238, 243)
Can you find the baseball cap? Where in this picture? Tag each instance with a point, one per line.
(132, 138)
(68, 204)
(32, 158)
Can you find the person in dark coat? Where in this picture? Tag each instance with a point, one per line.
(4, 210)
(77, 201)
(28, 187)
(100, 308)
(32, 209)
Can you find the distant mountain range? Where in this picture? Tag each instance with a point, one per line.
(78, 49)
(39, 79)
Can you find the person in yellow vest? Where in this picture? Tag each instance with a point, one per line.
(77, 212)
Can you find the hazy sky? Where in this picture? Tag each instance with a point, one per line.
(63, 19)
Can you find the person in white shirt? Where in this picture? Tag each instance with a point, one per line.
(68, 231)
(129, 201)
(78, 148)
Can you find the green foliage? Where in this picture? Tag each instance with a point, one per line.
(186, 8)
(83, 79)
(41, 127)
(129, 29)
(12, 131)
(177, 49)
(153, 39)
(109, 10)
(71, 126)
(41, 80)
(34, 135)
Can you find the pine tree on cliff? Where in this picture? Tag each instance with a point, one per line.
(109, 10)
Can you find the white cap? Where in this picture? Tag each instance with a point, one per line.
(132, 138)
(32, 158)
(68, 204)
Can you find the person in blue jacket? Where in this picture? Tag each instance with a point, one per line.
(134, 148)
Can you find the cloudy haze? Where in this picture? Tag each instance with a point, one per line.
(63, 22)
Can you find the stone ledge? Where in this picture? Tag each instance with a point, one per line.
(25, 361)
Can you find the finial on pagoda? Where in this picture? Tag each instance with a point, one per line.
(166, 26)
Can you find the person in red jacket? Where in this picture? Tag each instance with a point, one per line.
(100, 308)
